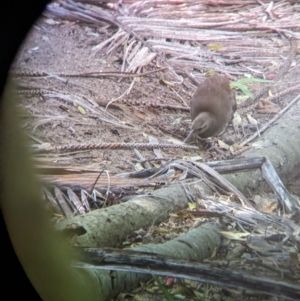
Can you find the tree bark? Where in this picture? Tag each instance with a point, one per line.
(281, 145)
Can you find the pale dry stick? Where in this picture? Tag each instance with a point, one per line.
(142, 58)
(113, 46)
(48, 119)
(108, 188)
(265, 126)
(118, 98)
(180, 97)
(127, 52)
(106, 42)
(130, 88)
(34, 138)
(145, 163)
(268, 9)
(253, 71)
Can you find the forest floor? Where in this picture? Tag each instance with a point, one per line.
(116, 107)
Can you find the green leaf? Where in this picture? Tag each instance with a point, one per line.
(241, 84)
(243, 88)
(252, 80)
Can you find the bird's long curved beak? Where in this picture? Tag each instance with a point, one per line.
(187, 139)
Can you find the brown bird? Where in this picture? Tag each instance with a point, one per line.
(212, 107)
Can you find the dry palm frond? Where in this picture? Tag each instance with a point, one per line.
(196, 36)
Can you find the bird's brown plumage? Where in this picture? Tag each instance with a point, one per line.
(212, 107)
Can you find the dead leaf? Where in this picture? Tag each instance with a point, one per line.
(167, 83)
(216, 47)
(235, 235)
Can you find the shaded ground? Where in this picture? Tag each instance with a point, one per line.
(67, 48)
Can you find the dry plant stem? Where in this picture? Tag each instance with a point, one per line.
(77, 147)
(93, 186)
(127, 91)
(142, 160)
(265, 126)
(154, 104)
(95, 74)
(284, 92)
(75, 201)
(63, 203)
(287, 202)
(223, 182)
